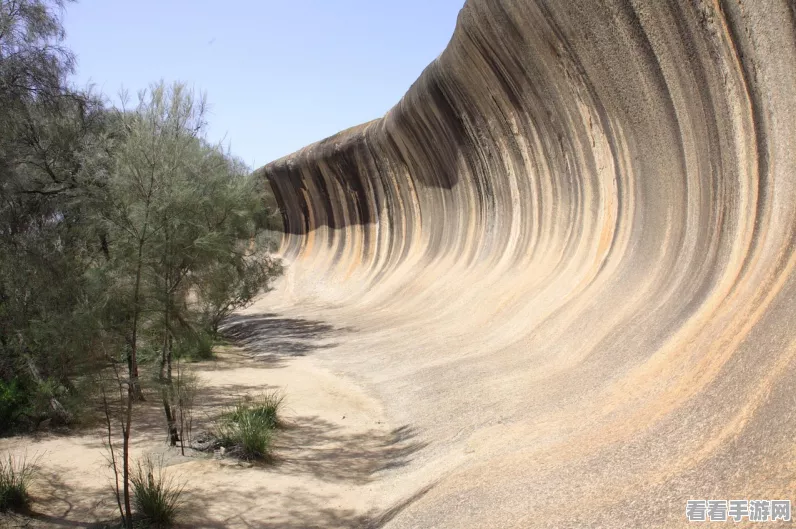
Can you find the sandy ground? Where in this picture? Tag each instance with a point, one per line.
(333, 450)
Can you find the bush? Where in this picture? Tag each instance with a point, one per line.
(248, 437)
(26, 404)
(247, 429)
(188, 389)
(264, 408)
(51, 400)
(14, 402)
(157, 498)
(15, 476)
(196, 346)
(204, 346)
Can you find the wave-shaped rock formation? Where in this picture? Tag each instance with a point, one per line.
(567, 258)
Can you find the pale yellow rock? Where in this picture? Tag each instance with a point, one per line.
(565, 258)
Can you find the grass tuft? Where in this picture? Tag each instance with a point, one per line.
(247, 429)
(157, 497)
(15, 477)
(264, 408)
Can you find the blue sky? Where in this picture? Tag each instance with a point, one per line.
(278, 74)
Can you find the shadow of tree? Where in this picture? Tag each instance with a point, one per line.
(305, 445)
(220, 397)
(298, 511)
(272, 339)
(311, 445)
(67, 506)
(308, 445)
(148, 422)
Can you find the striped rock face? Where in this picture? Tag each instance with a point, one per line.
(566, 258)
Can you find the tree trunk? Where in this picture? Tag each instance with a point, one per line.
(132, 358)
(114, 462)
(171, 420)
(167, 385)
(128, 511)
(181, 406)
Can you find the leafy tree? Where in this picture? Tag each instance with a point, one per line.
(52, 155)
(122, 231)
(185, 243)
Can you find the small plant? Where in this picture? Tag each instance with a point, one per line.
(265, 408)
(14, 401)
(247, 437)
(188, 386)
(15, 476)
(196, 346)
(157, 497)
(247, 429)
(203, 348)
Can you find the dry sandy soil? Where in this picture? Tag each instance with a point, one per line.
(329, 457)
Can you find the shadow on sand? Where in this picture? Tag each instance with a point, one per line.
(310, 445)
(273, 339)
(302, 512)
(304, 445)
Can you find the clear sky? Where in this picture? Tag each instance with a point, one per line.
(278, 74)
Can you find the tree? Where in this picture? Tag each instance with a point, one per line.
(124, 235)
(52, 159)
(183, 230)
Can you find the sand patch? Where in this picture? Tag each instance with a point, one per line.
(335, 444)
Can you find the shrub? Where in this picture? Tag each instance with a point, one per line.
(196, 346)
(15, 476)
(157, 497)
(248, 437)
(203, 349)
(265, 408)
(51, 400)
(247, 429)
(14, 402)
(27, 404)
(188, 389)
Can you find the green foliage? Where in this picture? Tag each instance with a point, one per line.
(187, 388)
(53, 153)
(204, 346)
(156, 496)
(264, 408)
(247, 429)
(151, 234)
(14, 402)
(227, 286)
(184, 219)
(124, 233)
(249, 437)
(51, 401)
(27, 403)
(15, 477)
(194, 346)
